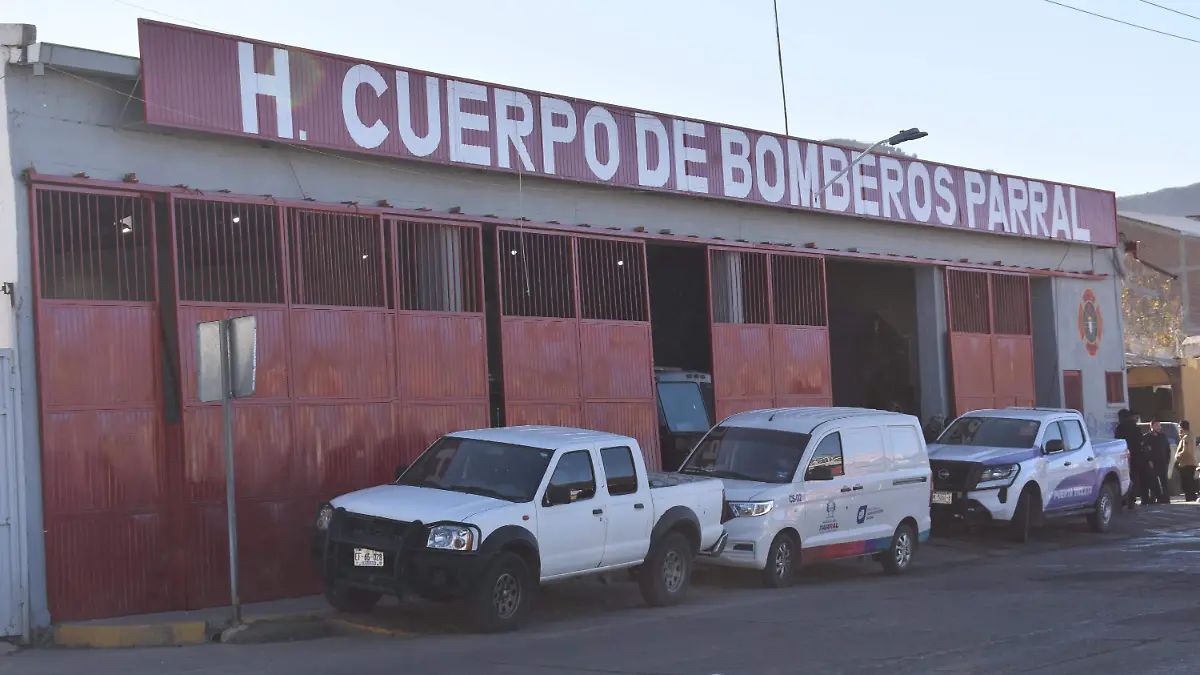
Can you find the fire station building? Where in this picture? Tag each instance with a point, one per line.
(426, 253)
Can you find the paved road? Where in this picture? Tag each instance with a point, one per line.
(1069, 603)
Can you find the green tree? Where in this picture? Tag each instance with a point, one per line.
(1152, 305)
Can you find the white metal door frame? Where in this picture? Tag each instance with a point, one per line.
(14, 573)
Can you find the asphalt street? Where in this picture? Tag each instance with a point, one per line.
(1068, 603)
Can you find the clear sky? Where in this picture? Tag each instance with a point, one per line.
(1016, 86)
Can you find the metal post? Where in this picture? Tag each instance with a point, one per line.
(230, 503)
(851, 165)
(782, 87)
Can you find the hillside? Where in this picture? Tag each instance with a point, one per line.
(1176, 201)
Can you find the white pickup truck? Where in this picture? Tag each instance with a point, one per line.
(1020, 466)
(487, 515)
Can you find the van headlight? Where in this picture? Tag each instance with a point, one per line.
(998, 476)
(453, 538)
(750, 509)
(324, 516)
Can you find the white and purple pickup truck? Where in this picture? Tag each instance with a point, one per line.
(1020, 466)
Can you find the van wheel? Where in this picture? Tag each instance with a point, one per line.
(501, 596)
(781, 561)
(1021, 525)
(1101, 518)
(351, 600)
(663, 578)
(898, 557)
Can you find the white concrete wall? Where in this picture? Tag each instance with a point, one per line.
(1072, 351)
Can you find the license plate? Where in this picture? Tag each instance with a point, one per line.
(943, 498)
(365, 557)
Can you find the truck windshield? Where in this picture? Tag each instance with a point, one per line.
(683, 407)
(500, 470)
(994, 432)
(763, 455)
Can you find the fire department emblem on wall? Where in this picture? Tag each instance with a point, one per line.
(1091, 323)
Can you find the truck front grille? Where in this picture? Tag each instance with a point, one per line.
(951, 476)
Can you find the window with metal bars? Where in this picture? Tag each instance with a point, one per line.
(612, 280)
(1114, 387)
(738, 284)
(969, 307)
(1010, 304)
(95, 246)
(535, 274)
(439, 267)
(798, 290)
(228, 252)
(337, 259)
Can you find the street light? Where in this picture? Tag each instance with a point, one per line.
(902, 137)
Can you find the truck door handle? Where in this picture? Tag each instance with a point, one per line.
(846, 489)
(1091, 459)
(639, 506)
(858, 487)
(596, 512)
(1066, 464)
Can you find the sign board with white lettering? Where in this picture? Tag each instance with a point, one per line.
(222, 84)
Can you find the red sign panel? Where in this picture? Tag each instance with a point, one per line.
(218, 83)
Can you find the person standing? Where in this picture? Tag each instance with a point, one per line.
(1159, 449)
(1128, 431)
(1185, 462)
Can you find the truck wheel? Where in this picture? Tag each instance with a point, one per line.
(1021, 525)
(781, 561)
(664, 576)
(501, 595)
(351, 600)
(898, 557)
(1101, 519)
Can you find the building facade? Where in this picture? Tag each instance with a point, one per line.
(425, 253)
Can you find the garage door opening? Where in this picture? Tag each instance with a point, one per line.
(679, 323)
(873, 335)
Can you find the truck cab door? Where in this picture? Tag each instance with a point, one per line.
(1069, 482)
(571, 518)
(629, 512)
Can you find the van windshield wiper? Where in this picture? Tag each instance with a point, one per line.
(737, 476)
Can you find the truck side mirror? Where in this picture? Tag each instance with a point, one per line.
(557, 495)
(400, 469)
(1054, 446)
(819, 473)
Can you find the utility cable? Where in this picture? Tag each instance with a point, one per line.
(1124, 23)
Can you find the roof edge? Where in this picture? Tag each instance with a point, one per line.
(79, 60)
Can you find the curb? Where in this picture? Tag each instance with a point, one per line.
(147, 635)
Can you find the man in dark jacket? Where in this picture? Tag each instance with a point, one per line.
(1159, 449)
(1127, 430)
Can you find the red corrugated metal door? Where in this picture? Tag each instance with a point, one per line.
(104, 471)
(991, 339)
(575, 333)
(770, 335)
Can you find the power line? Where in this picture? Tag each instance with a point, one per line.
(1170, 9)
(1124, 23)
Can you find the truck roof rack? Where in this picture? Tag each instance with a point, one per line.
(1026, 407)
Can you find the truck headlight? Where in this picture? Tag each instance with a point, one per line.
(749, 509)
(999, 475)
(453, 538)
(323, 517)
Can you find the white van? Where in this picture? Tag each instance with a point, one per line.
(811, 484)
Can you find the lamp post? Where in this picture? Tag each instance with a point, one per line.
(902, 137)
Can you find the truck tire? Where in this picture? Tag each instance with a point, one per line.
(1101, 518)
(1021, 525)
(664, 576)
(500, 598)
(781, 561)
(351, 600)
(898, 557)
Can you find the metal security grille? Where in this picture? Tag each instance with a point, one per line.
(798, 290)
(612, 280)
(337, 259)
(228, 252)
(739, 286)
(1010, 304)
(536, 274)
(438, 268)
(95, 246)
(970, 310)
